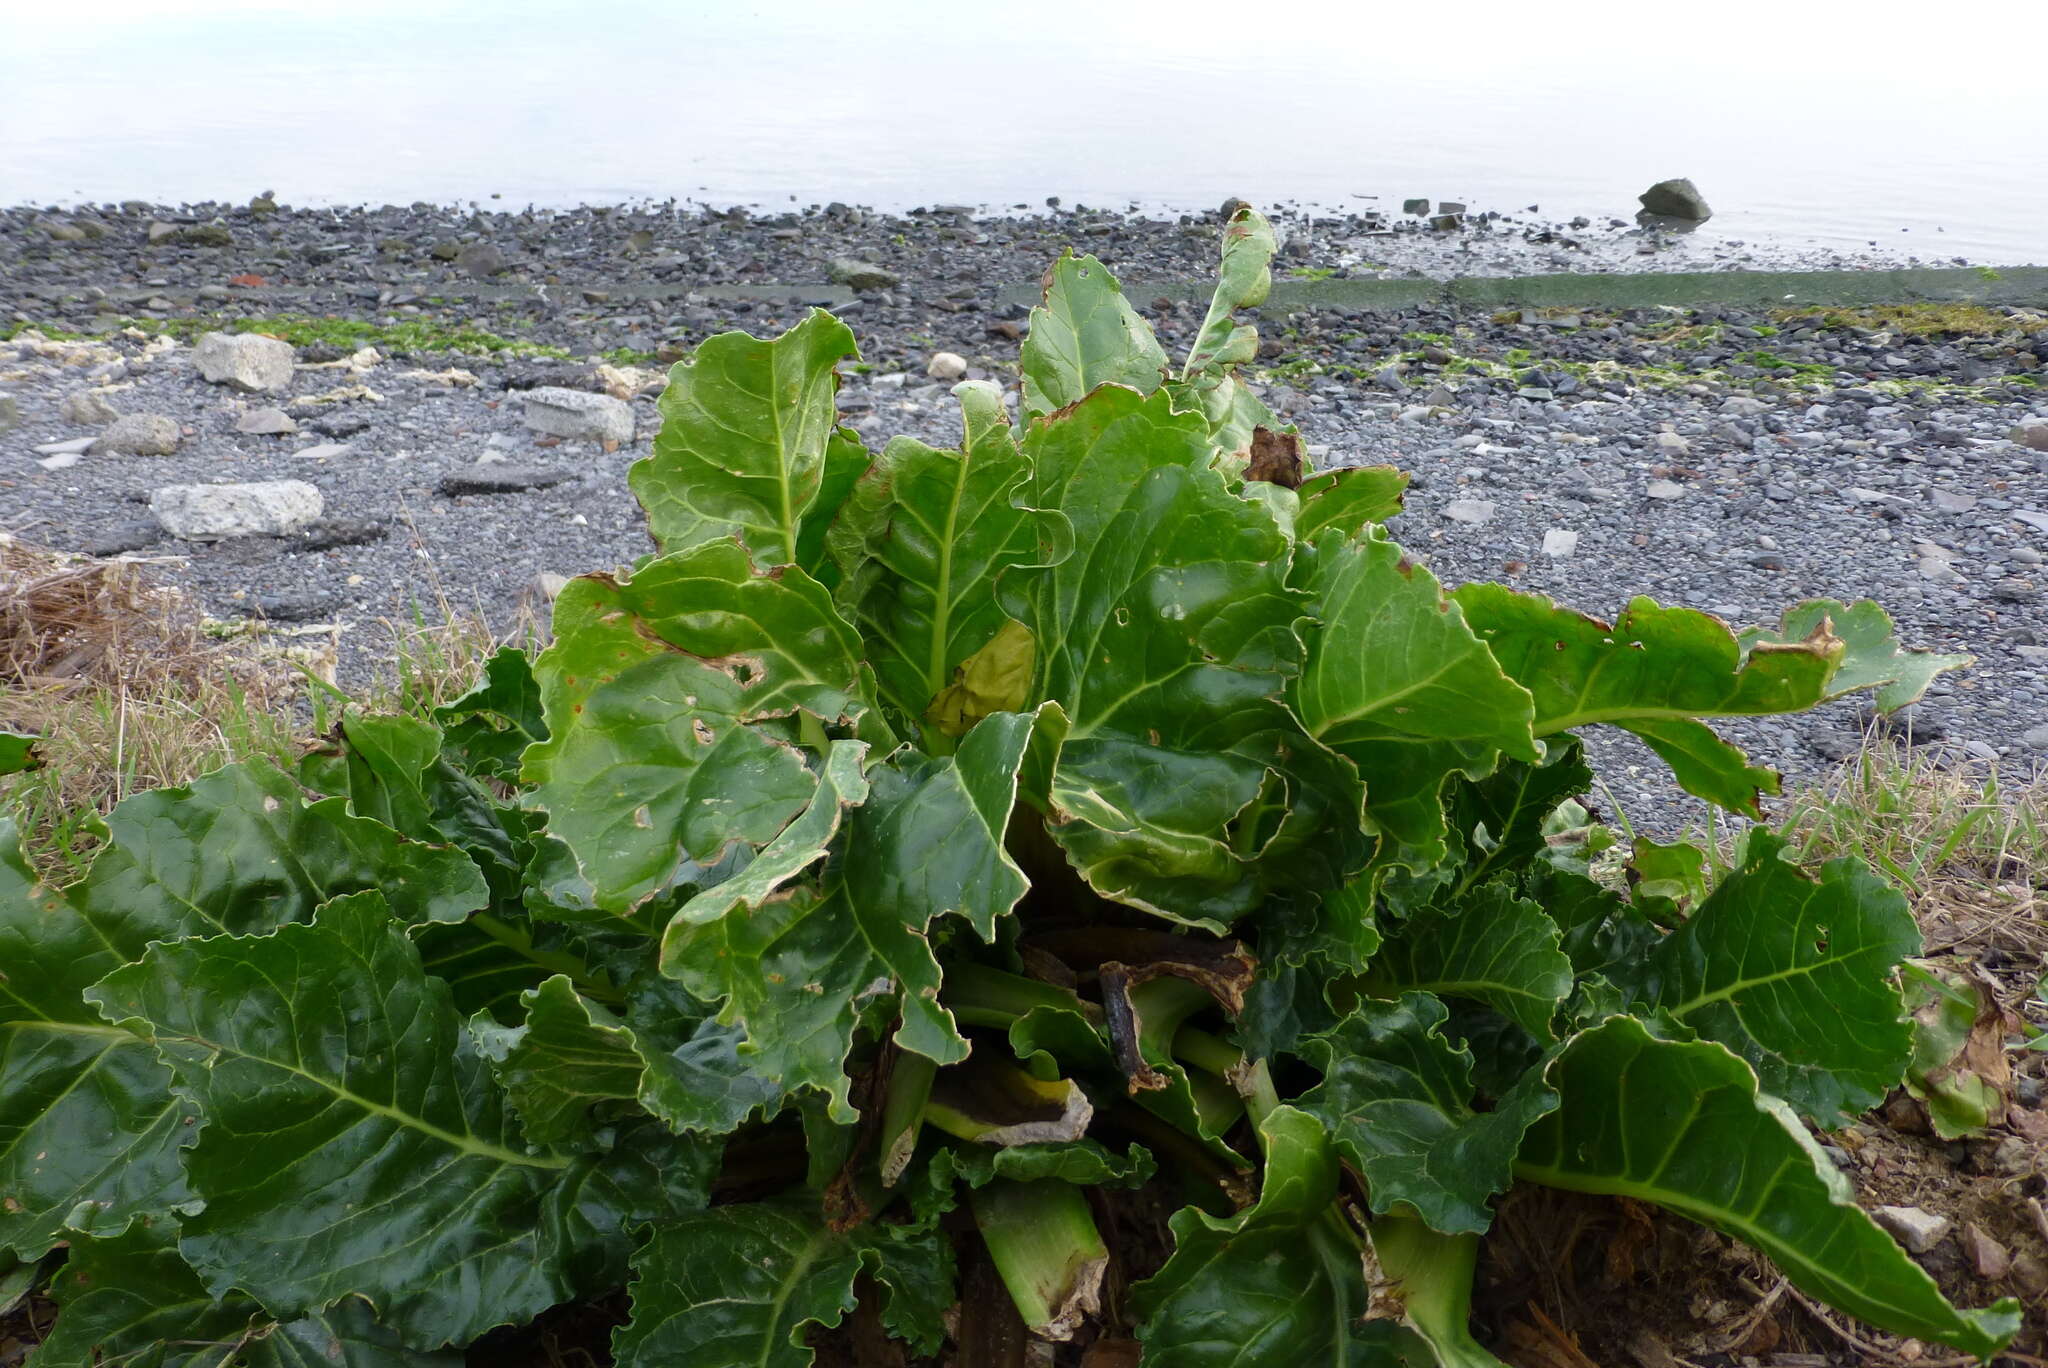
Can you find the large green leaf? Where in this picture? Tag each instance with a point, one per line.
(742, 448)
(1796, 976)
(130, 1299)
(1871, 656)
(1397, 1099)
(922, 540)
(1164, 635)
(88, 1128)
(925, 841)
(740, 1286)
(239, 851)
(695, 1077)
(651, 767)
(353, 1141)
(1084, 336)
(1279, 1282)
(1396, 681)
(1681, 1124)
(1654, 672)
(1489, 946)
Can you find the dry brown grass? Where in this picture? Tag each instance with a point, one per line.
(132, 688)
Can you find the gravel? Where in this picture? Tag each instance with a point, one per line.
(1727, 460)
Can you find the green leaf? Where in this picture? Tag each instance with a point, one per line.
(1428, 1277)
(1164, 635)
(1501, 820)
(923, 538)
(1871, 658)
(1795, 976)
(18, 752)
(1397, 683)
(1489, 946)
(654, 769)
(130, 1300)
(846, 460)
(488, 728)
(88, 1129)
(238, 851)
(787, 960)
(1396, 1097)
(1279, 1282)
(1084, 336)
(1349, 500)
(740, 1286)
(695, 1077)
(567, 1059)
(353, 1140)
(1654, 672)
(1950, 1015)
(1208, 381)
(1682, 1124)
(1081, 1163)
(1673, 874)
(744, 428)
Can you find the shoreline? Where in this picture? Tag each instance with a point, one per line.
(1583, 435)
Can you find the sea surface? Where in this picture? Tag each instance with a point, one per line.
(1920, 129)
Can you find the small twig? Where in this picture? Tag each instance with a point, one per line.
(1746, 1327)
(1874, 1352)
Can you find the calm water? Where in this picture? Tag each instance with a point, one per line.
(1923, 129)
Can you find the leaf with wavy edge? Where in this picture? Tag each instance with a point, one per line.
(353, 1141)
(1164, 633)
(1349, 500)
(240, 851)
(1796, 976)
(1279, 1282)
(1208, 380)
(1871, 656)
(740, 1286)
(919, 547)
(131, 1299)
(566, 1060)
(651, 767)
(1487, 946)
(1654, 672)
(86, 1114)
(1397, 1099)
(745, 424)
(1085, 336)
(488, 728)
(1396, 682)
(1682, 1124)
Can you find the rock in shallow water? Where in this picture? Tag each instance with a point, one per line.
(214, 512)
(1679, 199)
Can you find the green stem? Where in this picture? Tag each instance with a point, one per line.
(1041, 1236)
(980, 996)
(910, 1087)
(521, 943)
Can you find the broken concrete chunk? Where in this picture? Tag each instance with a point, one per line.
(214, 512)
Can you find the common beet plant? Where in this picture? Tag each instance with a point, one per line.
(1088, 882)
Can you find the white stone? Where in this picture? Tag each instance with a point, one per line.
(578, 414)
(266, 422)
(323, 451)
(1559, 543)
(947, 366)
(139, 434)
(63, 460)
(1673, 443)
(1664, 489)
(1469, 510)
(2032, 432)
(213, 512)
(245, 360)
(69, 447)
(1742, 406)
(1919, 1231)
(88, 408)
